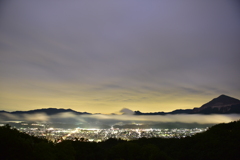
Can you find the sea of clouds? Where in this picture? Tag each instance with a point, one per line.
(126, 117)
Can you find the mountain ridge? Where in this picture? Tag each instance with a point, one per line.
(48, 111)
(223, 104)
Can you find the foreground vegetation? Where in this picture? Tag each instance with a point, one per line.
(221, 141)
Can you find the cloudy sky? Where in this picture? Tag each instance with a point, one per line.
(105, 55)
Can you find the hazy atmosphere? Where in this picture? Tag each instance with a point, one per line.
(101, 119)
(102, 56)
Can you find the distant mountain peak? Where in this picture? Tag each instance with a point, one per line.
(222, 100)
(220, 104)
(225, 97)
(223, 104)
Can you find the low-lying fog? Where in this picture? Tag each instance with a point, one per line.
(125, 119)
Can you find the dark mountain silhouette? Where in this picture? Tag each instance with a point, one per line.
(48, 111)
(220, 105)
(21, 115)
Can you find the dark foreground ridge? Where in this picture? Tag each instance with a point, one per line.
(219, 142)
(220, 105)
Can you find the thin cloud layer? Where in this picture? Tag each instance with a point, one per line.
(126, 111)
(120, 119)
(107, 55)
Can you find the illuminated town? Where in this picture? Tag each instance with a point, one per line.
(98, 135)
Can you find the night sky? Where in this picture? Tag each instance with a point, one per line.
(100, 56)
